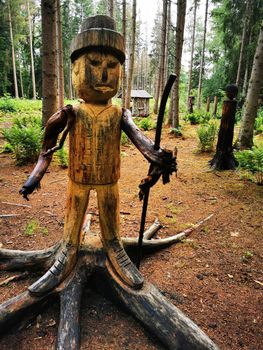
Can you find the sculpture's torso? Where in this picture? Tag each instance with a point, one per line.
(95, 145)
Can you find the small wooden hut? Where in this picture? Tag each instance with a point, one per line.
(140, 103)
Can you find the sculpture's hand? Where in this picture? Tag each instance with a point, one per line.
(165, 167)
(28, 188)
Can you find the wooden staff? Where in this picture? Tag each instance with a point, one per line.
(157, 141)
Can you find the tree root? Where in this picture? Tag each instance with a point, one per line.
(148, 305)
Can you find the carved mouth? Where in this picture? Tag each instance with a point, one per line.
(104, 88)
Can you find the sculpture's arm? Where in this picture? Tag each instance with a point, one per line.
(163, 162)
(61, 120)
(160, 157)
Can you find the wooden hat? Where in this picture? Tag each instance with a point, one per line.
(98, 33)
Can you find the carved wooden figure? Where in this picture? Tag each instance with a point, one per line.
(224, 158)
(94, 128)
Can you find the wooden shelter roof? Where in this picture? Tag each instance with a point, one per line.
(138, 94)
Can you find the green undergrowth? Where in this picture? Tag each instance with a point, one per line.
(207, 134)
(251, 163)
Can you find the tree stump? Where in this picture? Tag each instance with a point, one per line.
(174, 329)
(224, 158)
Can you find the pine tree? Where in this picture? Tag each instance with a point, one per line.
(199, 93)
(251, 105)
(174, 104)
(49, 72)
(131, 58)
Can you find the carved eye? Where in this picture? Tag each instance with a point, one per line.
(112, 64)
(95, 63)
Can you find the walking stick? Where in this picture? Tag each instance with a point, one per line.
(157, 141)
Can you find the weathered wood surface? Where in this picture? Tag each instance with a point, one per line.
(14, 309)
(70, 302)
(174, 329)
(27, 260)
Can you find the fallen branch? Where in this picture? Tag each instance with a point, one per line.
(8, 215)
(58, 180)
(14, 278)
(17, 205)
(163, 242)
(148, 234)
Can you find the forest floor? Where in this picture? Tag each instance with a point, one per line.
(215, 276)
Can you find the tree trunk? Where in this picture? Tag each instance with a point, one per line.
(243, 39)
(208, 104)
(13, 50)
(111, 8)
(60, 70)
(161, 69)
(251, 105)
(245, 81)
(132, 52)
(70, 90)
(215, 106)
(199, 93)
(166, 68)
(124, 78)
(181, 9)
(49, 74)
(31, 53)
(192, 53)
(21, 76)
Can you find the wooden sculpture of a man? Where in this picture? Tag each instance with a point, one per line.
(94, 127)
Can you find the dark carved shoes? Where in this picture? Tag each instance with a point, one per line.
(57, 273)
(117, 257)
(122, 264)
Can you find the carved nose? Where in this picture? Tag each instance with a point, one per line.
(104, 77)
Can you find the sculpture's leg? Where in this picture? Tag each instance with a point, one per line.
(77, 201)
(174, 329)
(108, 202)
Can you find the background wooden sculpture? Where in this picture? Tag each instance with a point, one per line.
(95, 129)
(224, 158)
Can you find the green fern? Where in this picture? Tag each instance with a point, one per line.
(207, 134)
(24, 138)
(252, 161)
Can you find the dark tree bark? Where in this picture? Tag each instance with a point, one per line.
(13, 49)
(199, 94)
(224, 158)
(132, 53)
(124, 77)
(161, 70)
(49, 72)
(181, 9)
(111, 8)
(31, 52)
(208, 104)
(243, 40)
(245, 139)
(215, 105)
(60, 70)
(192, 52)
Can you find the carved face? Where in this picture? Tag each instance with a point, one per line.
(96, 76)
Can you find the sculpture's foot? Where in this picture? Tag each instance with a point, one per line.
(122, 264)
(57, 273)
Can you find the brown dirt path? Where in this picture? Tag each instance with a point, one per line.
(215, 277)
